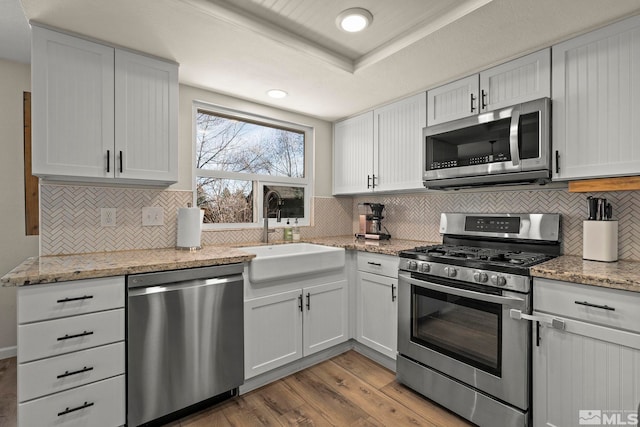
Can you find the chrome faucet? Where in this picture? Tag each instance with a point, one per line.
(265, 214)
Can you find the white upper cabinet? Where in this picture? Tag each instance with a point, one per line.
(380, 150)
(146, 101)
(102, 114)
(523, 79)
(596, 87)
(72, 105)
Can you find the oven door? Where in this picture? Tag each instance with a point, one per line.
(467, 334)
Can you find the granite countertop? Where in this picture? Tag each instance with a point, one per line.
(623, 275)
(51, 269)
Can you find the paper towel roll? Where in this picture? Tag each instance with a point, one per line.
(189, 228)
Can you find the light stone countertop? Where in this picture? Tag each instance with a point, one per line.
(624, 275)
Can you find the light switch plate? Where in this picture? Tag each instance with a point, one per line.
(152, 216)
(108, 217)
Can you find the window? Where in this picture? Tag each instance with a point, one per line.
(239, 158)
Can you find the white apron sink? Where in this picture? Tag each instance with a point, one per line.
(274, 262)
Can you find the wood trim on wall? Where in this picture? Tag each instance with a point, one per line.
(31, 201)
(624, 183)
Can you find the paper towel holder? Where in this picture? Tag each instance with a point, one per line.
(192, 241)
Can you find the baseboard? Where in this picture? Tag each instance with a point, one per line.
(7, 352)
(379, 358)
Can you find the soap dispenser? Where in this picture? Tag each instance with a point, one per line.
(296, 231)
(288, 232)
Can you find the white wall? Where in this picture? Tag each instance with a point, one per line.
(323, 134)
(14, 245)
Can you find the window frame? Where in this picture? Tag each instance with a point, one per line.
(260, 180)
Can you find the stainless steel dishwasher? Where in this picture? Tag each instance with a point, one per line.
(185, 340)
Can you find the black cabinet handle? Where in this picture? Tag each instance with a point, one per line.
(374, 181)
(557, 161)
(588, 304)
(374, 263)
(121, 162)
(368, 181)
(484, 99)
(473, 99)
(63, 300)
(393, 292)
(308, 301)
(300, 302)
(108, 161)
(68, 337)
(80, 371)
(68, 411)
(537, 334)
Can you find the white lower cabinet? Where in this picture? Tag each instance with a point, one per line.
(286, 326)
(377, 286)
(585, 369)
(71, 353)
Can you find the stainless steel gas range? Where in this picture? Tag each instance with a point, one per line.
(460, 340)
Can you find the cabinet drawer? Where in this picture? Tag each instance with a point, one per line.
(52, 301)
(95, 405)
(55, 337)
(61, 373)
(385, 265)
(577, 301)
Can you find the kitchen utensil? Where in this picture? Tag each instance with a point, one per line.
(592, 208)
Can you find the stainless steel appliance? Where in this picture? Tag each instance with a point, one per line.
(510, 145)
(185, 340)
(457, 342)
(370, 217)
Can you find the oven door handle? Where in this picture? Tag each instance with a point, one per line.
(513, 136)
(508, 301)
(552, 322)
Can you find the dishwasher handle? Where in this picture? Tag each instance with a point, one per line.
(187, 284)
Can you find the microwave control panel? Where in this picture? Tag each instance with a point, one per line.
(471, 161)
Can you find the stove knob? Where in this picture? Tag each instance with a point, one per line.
(425, 268)
(498, 280)
(450, 271)
(480, 277)
(412, 265)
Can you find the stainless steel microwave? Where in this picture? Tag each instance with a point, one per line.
(507, 146)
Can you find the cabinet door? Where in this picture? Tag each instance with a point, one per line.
(585, 371)
(146, 135)
(453, 101)
(325, 316)
(596, 87)
(353, 155)
(398, 139)
(72, 106)
(378, 313)
(521, 80)
(273, 332)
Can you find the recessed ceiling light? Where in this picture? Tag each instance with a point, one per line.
(354, 20)
(277, 93)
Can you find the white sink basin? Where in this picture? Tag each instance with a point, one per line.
(279, 261)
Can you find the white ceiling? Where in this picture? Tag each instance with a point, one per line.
(245, 47)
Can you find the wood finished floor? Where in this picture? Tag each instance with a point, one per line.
(347, 390)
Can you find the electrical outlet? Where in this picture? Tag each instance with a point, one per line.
(108, 217)
(152, 216)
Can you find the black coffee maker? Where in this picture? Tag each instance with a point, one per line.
(370, 219)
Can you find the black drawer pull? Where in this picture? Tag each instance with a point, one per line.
(588, 304)
(68, 411)
(308, 301)
(377, 264)
(63, 300)
(68, 337)
(68, 374)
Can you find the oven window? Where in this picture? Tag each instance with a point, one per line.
(465, 329)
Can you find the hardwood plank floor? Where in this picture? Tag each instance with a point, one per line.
(347, 390)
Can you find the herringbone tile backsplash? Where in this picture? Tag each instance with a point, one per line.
(417, 216)
(70, 217)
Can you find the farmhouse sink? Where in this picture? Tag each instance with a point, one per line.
(274, 262)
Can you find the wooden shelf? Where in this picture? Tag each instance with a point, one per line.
(625, 183)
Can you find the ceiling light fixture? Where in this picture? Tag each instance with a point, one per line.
(277, 93)
(354, 20)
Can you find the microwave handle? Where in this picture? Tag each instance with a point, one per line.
(513, 136)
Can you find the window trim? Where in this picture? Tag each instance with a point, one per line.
(261, 180)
